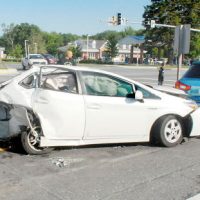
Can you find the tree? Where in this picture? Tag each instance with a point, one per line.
(53, 41)
(17, 34)
(16, 51)
(174, 12)
(111, 46)
(32, 33)
(68, 37)
(76, 51)
(8, 35)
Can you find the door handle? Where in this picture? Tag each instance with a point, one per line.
(94, 106)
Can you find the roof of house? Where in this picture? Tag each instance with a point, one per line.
(93, 45)
(132, 39)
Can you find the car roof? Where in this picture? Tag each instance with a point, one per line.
(36, 68)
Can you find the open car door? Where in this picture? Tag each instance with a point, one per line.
(58, 104)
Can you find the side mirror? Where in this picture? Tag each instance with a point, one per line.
(130, 95)
(139, 96)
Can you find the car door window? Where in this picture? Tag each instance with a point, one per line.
(105, 85)
(29, 82)
(146, 94)
(60, 81)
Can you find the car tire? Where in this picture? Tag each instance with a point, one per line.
(31, 145)
(169, 131)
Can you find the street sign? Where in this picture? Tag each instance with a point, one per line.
(176, 39)
(186, 39)
(182, 39)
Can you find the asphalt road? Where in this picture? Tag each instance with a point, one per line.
(116, 172)
(105, 172)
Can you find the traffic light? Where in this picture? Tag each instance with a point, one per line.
(119, 18)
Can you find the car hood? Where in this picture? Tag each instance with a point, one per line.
(171, 91)
(37, 60)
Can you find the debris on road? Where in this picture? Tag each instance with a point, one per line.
(61, 162)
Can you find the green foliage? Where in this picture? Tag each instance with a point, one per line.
(8, 37)
(155, 52)
(91, 61)
(69, 38)
(52, 42)
(16, 51)
(37, 40)
(14, 37)
(111, 46)
(76, 51)
(174, 12)
(195, 45)
(119, 35)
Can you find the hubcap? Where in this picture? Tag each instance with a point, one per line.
(34, 138)
(173, 131)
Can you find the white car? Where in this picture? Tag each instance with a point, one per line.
(69, 106)
(33, 59)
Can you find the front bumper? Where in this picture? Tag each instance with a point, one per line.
(196, 123)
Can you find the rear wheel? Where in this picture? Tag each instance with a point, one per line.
(170, 131)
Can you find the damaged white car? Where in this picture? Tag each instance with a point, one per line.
(70, 106)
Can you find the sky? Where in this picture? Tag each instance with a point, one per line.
(72, 16)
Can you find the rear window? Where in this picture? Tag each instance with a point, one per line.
(193, 72)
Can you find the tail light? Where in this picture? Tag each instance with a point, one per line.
(182, 86)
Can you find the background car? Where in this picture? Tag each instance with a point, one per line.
(33, 59)
(50, 58)
(190, 82)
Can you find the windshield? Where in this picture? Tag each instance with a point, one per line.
(36, 56)
(193, 72)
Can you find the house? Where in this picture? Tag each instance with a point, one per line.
(125, 51)
(95, 49)
(90, 49)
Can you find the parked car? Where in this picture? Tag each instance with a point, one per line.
(50, 59)
(33, 59)
(56, 105)
(190, 82)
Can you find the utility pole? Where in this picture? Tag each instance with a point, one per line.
(25, 44)
(35, 49)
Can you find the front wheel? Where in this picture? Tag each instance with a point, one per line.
(170, 131)
(30, 142)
